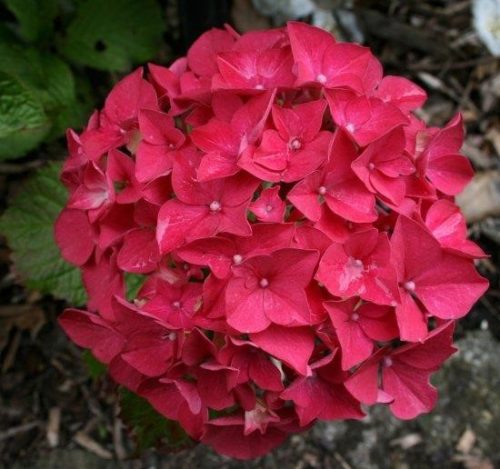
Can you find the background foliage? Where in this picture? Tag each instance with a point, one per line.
(45, 48)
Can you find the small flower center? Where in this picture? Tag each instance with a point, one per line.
(322, 190)
(215, 206)
(237, 259)
(269, 208)
(295, 144)
(170, 336)
(387, 361)
(320, 78)
(354, 316)
(371, 166)
(358, 262)
(264, 283)
(176, 304)
(410, 286)
(350, 127)
(259, 87)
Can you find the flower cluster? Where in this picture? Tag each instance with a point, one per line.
(295, 227)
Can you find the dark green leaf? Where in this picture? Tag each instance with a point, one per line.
(28, 225)
(75, 112)
(23, 121)
(54, 80)
(133, 283)
(95, 367)
(49, 80)
(149, 427)
(35, 17)
(114, 34)
(45, 74)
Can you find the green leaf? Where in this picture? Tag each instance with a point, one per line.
(114, 34)
(133, 283)
(49, 77)
(55, 83)
(54, 80)
(149, 427)
(49, 81)
(35, 17)
(76, 111)
(6, 33)
(28, 226)
(14, 60)
(72, 116)
(23, 122)
(95, 368)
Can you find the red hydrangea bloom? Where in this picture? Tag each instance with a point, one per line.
(405, 374)
(269, 207)
(160, 138)
(381, 165)
(270, 289)
(293, 148)
(336, 185)
(295, 228)
(361, 266)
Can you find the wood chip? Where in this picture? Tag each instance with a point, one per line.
(439, 85)
(481, 198)
(53, 426)
(91, 445)
(431, 81)
(10, 356)
(473, 462)
(471, 149)
(407, 441)
(120, 451)
(466, 442)
(13, 431)
(493, 135)
(342, 461)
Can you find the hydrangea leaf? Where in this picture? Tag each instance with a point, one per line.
(50, 82)
(113, 35)
(133, 283)
(6, 33)
(95, 368)
(54, 79)
(76, 110)
(23, 121)
(34, 17)
(56, 84)
(28, 226)
(44, 73)
(149, 427)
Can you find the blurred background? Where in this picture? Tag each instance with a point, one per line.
(58, 60)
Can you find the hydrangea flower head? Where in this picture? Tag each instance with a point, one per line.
(295, 226)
